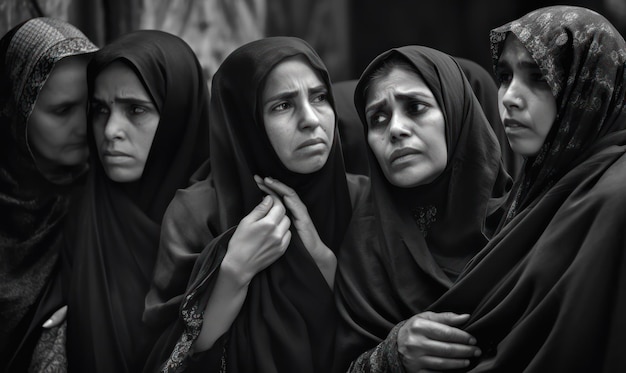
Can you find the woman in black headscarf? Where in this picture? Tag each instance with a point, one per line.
(547, 293)
(43, 158)
(412, 237)
(148, 133)
(286, 319)
(351, 130)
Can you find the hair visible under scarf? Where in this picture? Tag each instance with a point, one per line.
(582, 57)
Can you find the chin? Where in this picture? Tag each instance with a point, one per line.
(121, 176)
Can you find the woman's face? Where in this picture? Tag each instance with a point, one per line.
(57, 126)
(527, 106)
(298, 118)
(406, 128)
(125, 121)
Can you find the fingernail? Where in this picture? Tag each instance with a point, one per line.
(266, 200)
(472, 341)
(269, 180)
(466, 362)
(47, 323)
(477, 352)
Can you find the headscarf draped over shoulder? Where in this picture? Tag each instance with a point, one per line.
(33, 204)
(118, 225)
(402, 256)
(551, 283)
(581, 56)
(287, 322)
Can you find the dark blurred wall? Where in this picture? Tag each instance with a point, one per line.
(460, 28)
(347, 34)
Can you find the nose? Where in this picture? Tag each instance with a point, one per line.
(398, 128)
(511, 95)
(309, 117)
(114, 126)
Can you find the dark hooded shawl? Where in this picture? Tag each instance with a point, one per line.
(32, 204)
(116, 232)
(288, 320)
(549, 292)
(406, 245)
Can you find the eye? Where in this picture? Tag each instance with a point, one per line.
(417, 107)
(281, 107)
(503, 77)
(376, 120)
(98, 109)
(62, 110)
(322, 97)
(137, 110)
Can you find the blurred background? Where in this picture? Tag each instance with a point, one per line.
(347, 34)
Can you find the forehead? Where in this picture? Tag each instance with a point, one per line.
(396, 81)
(514, 51)
(120, 79)
(290, 73)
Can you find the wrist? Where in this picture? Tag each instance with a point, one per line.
(234, 273)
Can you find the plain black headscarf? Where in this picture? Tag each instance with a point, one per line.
(117, 228)
(390, 268)
(288, 319)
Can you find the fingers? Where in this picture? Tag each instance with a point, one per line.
(290, 198)
(261, 184)
(261, 210)
(56, 319)
(441, 326)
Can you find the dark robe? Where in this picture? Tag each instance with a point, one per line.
(287, 321)
(548, 293)
(116, 232)
(33, 203)
(405, 246)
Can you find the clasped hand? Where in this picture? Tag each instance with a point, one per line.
(431, 341)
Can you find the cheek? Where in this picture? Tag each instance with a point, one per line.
(377, 145)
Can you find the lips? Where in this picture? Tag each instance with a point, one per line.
(114, 153)
(512, 123)
(402, 152)
(310, 142)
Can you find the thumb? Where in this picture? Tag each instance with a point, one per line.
(57, 318)
(261, 209)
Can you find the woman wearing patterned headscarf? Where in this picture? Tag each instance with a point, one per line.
(547, 294)
(43, 154)
(148, 133)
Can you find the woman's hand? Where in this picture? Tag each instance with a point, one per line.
(56, 319)
(323, 256)
(260, 239)
(430, 341)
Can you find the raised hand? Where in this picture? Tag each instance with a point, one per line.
(323, 256)
(430, 341)
(260, 239)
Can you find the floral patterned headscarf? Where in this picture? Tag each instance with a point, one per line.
(582, 57)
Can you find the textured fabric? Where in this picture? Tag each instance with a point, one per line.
(32, 206)
(581, 55)
(551, 284)
(405, 245)
(288, 319)
(117, 226)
